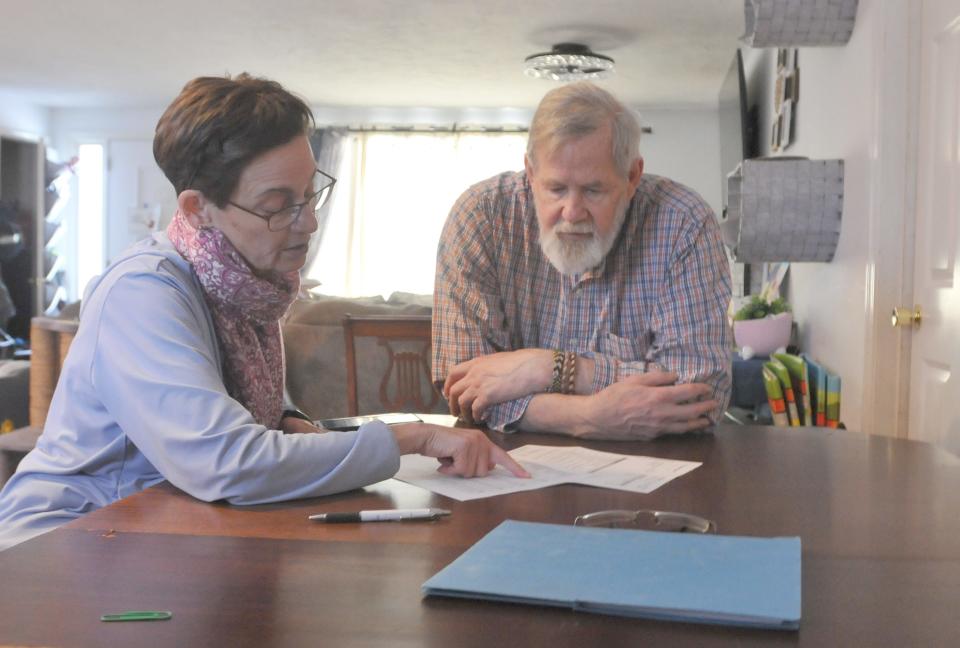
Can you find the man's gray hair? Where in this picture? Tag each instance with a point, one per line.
(578, 109)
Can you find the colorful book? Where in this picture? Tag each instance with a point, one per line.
(801, 383)
(699, 578)
(833, 400)
(775, 397)
(818, 390)
(780, 371)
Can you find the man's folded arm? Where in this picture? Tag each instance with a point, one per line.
(692, 335)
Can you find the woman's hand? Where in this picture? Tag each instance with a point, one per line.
(474, 385)
(294, 425)
(464, 452)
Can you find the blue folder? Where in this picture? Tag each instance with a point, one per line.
(726, 580)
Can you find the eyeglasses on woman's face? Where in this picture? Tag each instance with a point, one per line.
(285, 217)
(649, 520)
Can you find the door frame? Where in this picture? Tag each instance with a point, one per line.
(893, 170)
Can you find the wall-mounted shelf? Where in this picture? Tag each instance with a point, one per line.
(784, 209)
(798, 23)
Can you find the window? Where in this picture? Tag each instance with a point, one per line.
(90, 235)
(393, 194)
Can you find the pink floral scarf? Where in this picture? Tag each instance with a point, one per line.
(246, 312)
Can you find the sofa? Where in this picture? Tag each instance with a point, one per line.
(315, 352)
(315, 355)
(315, 358)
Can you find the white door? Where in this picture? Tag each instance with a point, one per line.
(140, 199)
(935, 352)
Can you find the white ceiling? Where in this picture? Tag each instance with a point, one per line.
(359, 52)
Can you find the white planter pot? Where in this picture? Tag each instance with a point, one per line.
(765, 335)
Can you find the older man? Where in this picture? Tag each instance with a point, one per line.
(580, 296)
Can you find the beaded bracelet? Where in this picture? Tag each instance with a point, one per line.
(570, 373)
(556, 384)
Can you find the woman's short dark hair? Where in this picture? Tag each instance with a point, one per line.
(217, 125)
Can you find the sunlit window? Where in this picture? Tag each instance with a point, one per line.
(90, 233)
(393, 195)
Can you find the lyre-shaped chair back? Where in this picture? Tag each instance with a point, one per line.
(405, 384)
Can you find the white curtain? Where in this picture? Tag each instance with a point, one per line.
(328, 145)
(393, 194)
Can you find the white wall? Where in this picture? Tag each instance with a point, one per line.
(685, 146)
(18, 116)
(366, 115)
(70, 127)
(835, 118)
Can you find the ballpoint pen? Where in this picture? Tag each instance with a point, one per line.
(384, 515)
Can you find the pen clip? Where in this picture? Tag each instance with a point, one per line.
(135, 615)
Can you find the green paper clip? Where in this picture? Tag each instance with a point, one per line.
(137, 616)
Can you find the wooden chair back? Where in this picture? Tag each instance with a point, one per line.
(405, 385)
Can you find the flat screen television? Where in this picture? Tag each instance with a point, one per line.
(736, 122)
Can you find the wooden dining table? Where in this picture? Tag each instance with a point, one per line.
(879, 521)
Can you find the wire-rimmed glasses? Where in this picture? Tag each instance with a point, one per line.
(283, 218)
(648, 519)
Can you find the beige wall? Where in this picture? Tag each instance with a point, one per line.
(16, 116)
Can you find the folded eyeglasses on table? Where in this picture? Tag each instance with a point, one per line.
(648, 519)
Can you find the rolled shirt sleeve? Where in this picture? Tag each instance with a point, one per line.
(468, 317)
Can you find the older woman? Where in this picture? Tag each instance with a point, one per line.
(176, 372)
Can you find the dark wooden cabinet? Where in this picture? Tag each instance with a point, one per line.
(32, 271)
(21, 195)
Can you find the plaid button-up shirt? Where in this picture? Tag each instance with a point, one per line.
(659, 298)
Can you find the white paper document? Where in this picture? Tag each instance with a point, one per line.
(548, 466)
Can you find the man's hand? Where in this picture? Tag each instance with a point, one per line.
(464, 452)
(648, 405)
(475, 385)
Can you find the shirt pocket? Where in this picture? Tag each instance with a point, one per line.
(624, 348)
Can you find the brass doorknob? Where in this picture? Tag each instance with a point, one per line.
(906, 318)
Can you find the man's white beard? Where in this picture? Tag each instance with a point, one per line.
(573, 256)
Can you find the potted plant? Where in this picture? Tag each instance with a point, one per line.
(761, 327)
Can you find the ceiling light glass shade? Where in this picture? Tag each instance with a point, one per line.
(568, 62)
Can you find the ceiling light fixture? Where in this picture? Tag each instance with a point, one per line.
(569, 62)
